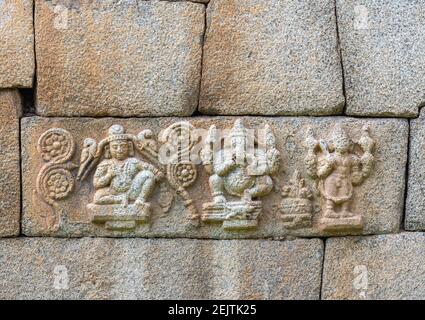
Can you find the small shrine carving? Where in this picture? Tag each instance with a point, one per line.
(296, 208)
(338, 166)
(240, 172)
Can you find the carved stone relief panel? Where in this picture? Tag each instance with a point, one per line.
(221, 178)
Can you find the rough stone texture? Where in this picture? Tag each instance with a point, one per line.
(132, 58)
(16, 43)
(379, 199)
(271, 57)
(393, 266)
(159, 269)
(383, 55)
(415, 203)
(10, 191)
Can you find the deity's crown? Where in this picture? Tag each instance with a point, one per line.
(340, 137)
(117, 132)
(238, 130)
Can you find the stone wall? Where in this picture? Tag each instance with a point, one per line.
(221, 149)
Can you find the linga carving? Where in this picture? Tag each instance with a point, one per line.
(238, 171)
(127, 170)
(296, 208)
(55, 181)
(338, 166)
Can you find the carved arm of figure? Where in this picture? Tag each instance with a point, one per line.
(310, 160)
(222, 168)
(273, 161)
(103, 176)
(325, 166)
(361, 168)
(367, 144)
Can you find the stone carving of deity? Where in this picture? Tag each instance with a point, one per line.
(238, 172)
(338, 168)
(123, 183)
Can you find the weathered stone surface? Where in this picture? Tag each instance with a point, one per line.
(377, 267)
(383, 55)
(271, 57)
(159, 269)
(10, 182)
(65, 210)
(126, 58)
(415, 203)
(16, 43)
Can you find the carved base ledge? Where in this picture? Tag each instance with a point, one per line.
(296, 213)
(341, 224)
(119, 218)
(238, 215)
(296, 221)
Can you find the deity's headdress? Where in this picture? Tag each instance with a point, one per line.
(238, 131)
(340, 139)
(116, 132)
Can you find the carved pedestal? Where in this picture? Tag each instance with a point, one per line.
(296, 213)
(119, 218)
(341, 224)
(234, 215)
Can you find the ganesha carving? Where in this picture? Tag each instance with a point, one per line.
(238, 171)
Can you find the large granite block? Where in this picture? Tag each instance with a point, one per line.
(125, 58)
(10, 182)
(415, 203)
(271, 57)
(213, 177)
(16, 44)
(383, 52)
(159, 269)
(377, 267)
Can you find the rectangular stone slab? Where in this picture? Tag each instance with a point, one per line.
(378, 200)
(271, 57)
(10, 182)
(101, 268)
(16, 44)
(383, 53)
(376, 268)
(125, 58)
(415, 203)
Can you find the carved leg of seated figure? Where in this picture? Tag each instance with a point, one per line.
(263, 185)
(217, 188)
(104, 197)
(142, 187)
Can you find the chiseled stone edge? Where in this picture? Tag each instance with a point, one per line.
(102, 268)
(375, 267)
(10, 210)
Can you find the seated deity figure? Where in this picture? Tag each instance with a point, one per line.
(121, 180)
(240, 173)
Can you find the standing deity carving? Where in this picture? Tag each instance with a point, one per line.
(338, 165)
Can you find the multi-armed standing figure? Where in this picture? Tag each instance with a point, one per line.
(338, 168)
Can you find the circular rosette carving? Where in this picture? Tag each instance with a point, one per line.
(182, 174)
(56, 145)
(55, 184)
